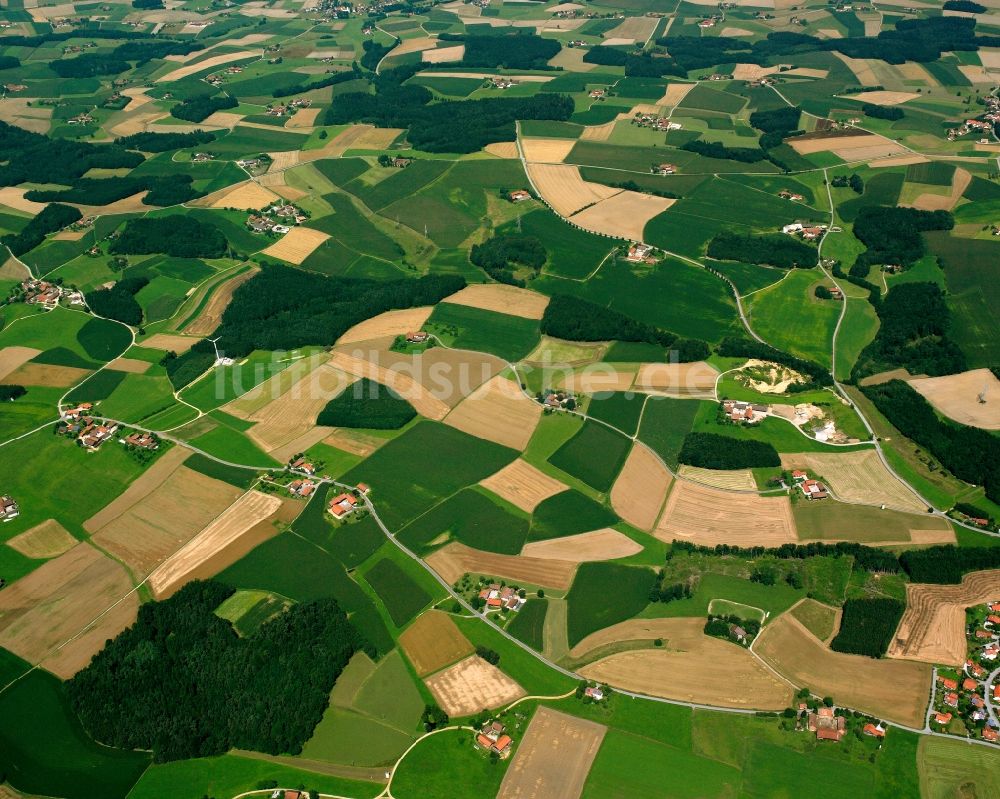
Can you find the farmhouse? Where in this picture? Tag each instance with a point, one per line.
(638, 252)
(500, 598)
(597, 94)
(343, 505)
(500, 82)
(813, 489)
(417, 337)
(594, 692)
(302, 465)
(874, 730)
(302, 488)
(518, 195)
(142, 440)
(785, 194)
(664, 169)
(942, 718)
(93, 435)
(826, 725)
(743, 412)
(78, 411)
(493, 738)
(951, 699)
(8, 508)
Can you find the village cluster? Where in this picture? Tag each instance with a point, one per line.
(91, 432)
(829, 723)
(276, 219)
(43, 293)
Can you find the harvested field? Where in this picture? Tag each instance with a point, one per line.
(710, 516)
(547, 151)
(597, 378)
(606, 544)
(276, 181)
(296, 245)
(522, 485)
(433, 642)
(246, 196)
(388, 325)
(208, 63)
(130, 365)
(945, 202)
(455, 559)
(957, 397)
(472, 685)
(861, 68)
(225, 119)
(735, 32)
(304, 118)
(414, 45)
(675, 93)
(12, 358)
(977, 74)
(857, 477)
(170, 343)
(727, 479)
(885, 97)
(638, 493)
(449, 375)
(46, 374)
(502, 298)
(43, 541)
(442, 55)
(932, 629)
(498, 411)
(636, 29)
(752, 72)
(598, 132)
(16, 111)
(403, 384)
(13, 197)
(690, 666)
(354, 442)
(305, 441)
(150, 531)
(136, 122)
(40, 613)
(286, 159)
(684, 380)
(139, 488)
(502, 149)
(554, 757)
(898, 160)
(208, 319)
(293, 414)
(889, 689)
(859, 142)
(622, 216)
(250, 509)
(561, 186)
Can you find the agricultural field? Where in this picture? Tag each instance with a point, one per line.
(330, 319)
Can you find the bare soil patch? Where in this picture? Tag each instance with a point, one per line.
(43, 541)
(638, 493)
(678, 379)
(554, 757)
(752, 72)
(889, 689)
(390, 323)
(623, 215)
(932, 629)
(860, 147)
(597, 378)
(353, 441)
(146, 534)
(296, 245)
(250, 509)
(170, 343)
(208, 63)
(131, 365)
(857, 477)
(433, 642)
(710, 516)
(606, 544)
(522, 485)
(957, 397)
(899, 160)
(637, 29)
(210, 316)
(443, 55)
(498, 411)
(304, 118)
(455, 559)
(885, 97)
(45, 374)
(561, 186)
(12, 358)
(426, 403)
(690, 666)
(547, 151)
(598, 132)
(502, 299)
(472, 685)
(41, 612)
(502, 149)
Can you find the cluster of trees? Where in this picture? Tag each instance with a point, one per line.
(10, 392)
(892, 235)
(198, 109)
(965, 5)
(147, 4)
(882, 111)
(913, 333)
(823, 293)
(736, 347)
(162, 190)
(330, 80)
(868, 558)
(970, 453)
(27, 156)
(182, 683)
(118, 302)
(9, 62)
(518, 48)
(489, 655)
(661, 592)
(714, 451)
(164, 142)
(282, 308)
(575, 319)
(89, 65)
(52, 218)
(776, 124)
(375, 52)
(502, 254)
(867, 626)
(637, 64)
(455, 126)
(973, 512)
(855, 181)
(433, 717)
(177, 235)
(947, 564)
(718, 626)
(367, 404)
(714, 149)
(775, 249)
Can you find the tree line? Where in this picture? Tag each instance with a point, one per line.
(637, 64)
(947, 564)
(714, 451)
(518, 48)
(164, 142)
(501, 255)
(198, 109)
(50, 219)
(118, 60)
(119, 302)
(177, 235)
(775, 249)
(890, 112)
(182, 683)
(575, 319)
(892, 235)
(867, 626)
(162, 190)
(870, 559)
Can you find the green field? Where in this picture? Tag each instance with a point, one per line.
(402, 597)
(818, 619)
(603, 594)
(529, 622)
(665, 422)
(569, 513)
(773, 599)
(472, 517)
(508, 337)
(620, 409)
(443, 766)
(789, 316)
(595, 455)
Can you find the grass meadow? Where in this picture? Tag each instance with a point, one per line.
(470, 516)
(603, 594)
(595, 455)
(508, 337)
(620, 409)
(400, 595)
(569, 513)
(789, 316)
(529, 622)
